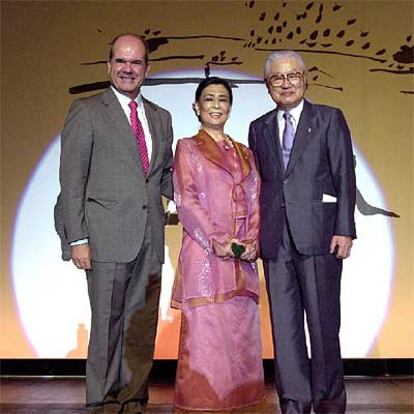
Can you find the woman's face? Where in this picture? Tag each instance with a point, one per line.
(213, 107)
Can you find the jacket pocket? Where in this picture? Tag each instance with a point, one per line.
(108, 204)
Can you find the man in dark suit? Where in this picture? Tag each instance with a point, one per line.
(116, 159)
(304, 155)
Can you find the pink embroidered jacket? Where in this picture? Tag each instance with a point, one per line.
(216, 189)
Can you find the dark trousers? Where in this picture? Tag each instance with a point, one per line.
(124, 301)
(298, 285)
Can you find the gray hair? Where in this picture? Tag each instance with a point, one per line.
(273, 57)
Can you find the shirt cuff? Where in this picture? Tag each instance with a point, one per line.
(80, 241)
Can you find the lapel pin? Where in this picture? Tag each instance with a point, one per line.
(309, 129)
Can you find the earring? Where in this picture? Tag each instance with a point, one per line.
(196, 110)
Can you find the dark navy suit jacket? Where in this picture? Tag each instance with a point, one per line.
(321, 167)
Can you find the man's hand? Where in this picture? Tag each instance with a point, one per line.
(341, 246)
(81, 256)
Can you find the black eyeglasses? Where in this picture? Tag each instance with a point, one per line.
(277, 80)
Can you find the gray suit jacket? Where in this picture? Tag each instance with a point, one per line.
(321, 162)
(105, 195)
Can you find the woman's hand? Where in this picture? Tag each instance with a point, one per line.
(222, 249)
(250, 252)
(225, 251)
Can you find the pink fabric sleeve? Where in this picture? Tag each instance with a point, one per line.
(192, 214)
(253, 219)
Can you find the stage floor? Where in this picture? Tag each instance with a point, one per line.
(390, 395)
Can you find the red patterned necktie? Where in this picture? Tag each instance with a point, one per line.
(139, 136)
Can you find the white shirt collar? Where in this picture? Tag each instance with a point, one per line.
(125, 100)
(295, 112)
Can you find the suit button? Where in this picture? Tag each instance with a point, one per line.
(144, 207)
(282, 205)
(147, 180)
(285, 181)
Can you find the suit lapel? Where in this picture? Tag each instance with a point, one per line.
(210, 150)
(153, 121)
(120, 122)
(303, 136)
(243, 156)
(271, 136)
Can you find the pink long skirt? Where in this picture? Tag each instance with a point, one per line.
(220, 357)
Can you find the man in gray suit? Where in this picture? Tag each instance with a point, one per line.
(116, 159)
(304, 155)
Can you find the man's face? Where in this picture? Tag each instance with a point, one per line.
(289, 93)
(128, 68)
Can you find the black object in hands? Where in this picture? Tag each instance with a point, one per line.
(237, 249)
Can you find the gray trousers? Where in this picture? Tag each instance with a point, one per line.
(296, 284)
(124, 301)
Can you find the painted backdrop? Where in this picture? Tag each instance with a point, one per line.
(360, 58)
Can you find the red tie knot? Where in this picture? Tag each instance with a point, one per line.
(133, 105)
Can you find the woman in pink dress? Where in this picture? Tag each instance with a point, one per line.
(216, 188)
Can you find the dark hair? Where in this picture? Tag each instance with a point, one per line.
(139, 37)
(214, 80)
